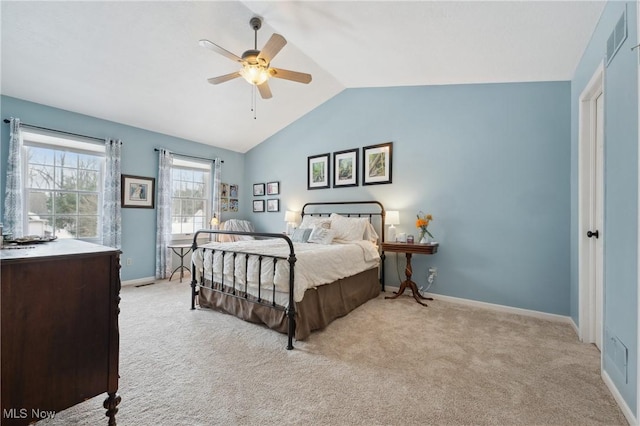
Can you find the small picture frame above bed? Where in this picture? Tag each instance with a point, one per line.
(258, 189)
(318, 171)
(345, 168)
(137, 191)
(258, 206)
(376, 164)
(273, 205)
(273, 188)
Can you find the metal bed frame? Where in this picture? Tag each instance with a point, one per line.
(231, 290)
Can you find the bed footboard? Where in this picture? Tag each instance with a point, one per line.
(242, 291)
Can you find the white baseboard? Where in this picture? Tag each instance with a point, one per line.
(619, 399)
(139, 281)
(575, 328)
(495, 307)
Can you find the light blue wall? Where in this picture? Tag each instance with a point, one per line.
(138, 158)
(490, 162)
(621, 190)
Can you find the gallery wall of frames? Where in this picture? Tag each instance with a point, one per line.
(343, 169)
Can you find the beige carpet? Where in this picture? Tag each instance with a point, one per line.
(390, 362)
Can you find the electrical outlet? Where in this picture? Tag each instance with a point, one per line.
(431, 276)
(129, 261)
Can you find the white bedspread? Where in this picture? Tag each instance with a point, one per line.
(315, 265)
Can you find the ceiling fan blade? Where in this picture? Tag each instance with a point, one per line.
(265, 91)
(223, 78)
(299, 77)
(220, 50)
(271, 49)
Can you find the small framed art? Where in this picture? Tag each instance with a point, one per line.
(376, 164)
(273, 188)
(345, 168)
(273, 205)
(318, 171)
(258, 206)
(258, 189)
(137, 191)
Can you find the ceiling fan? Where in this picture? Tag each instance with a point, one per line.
(255, 63)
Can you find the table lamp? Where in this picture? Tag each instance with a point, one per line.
(392, 218)
(291, 218)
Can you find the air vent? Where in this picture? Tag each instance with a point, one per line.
(617, 37)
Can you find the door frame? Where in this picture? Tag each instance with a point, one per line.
(586, 166)
(638, 237)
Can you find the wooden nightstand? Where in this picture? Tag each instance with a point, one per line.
(409, 249)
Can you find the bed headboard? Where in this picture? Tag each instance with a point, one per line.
(374, 210)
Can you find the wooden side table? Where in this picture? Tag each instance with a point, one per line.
(181, 250)
(409, 249)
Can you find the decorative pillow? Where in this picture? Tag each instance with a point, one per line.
(311, 221)
(301, 235)
(321, 235)
(348, 228)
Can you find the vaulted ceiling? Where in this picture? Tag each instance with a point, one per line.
(140, 64)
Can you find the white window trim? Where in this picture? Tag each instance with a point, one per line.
(193, 164)
(79, 145)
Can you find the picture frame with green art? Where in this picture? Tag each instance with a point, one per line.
(376, 163)
(345, 168)
(318, 171)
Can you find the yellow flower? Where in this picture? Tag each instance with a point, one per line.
(422, 223)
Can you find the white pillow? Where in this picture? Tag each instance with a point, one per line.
(301, 235)
(320, 235)
(310, 221)
(348, 228)
(370, 233)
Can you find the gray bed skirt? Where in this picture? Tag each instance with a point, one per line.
(317, 309)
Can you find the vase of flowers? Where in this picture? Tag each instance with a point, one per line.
(422, 224)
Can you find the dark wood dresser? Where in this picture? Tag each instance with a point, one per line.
(60, 339)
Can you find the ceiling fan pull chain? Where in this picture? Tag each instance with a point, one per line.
(253, 101)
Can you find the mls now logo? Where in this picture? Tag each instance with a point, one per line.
(23, 413)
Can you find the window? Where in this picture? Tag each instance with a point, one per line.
(63, 187)
(190, 197)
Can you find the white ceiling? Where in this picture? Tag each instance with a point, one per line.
(139, 63)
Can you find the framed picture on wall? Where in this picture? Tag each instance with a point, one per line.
(273, 188)
(258, 206)
(137, 191)
(273, 205)
(376, 164)
(233, 191)
(258, 189)
(318, 171)
(345, 168)
(224, 190)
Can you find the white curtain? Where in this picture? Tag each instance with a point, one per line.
(111, 213)
(163, 233)
(216, 204)
(13, 206)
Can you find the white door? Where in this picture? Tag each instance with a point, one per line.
(597, 223)
(591, 210)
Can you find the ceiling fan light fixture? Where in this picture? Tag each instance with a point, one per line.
(254, 73)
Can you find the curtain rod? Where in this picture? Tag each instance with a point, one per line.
(6, 120)
(187, 155)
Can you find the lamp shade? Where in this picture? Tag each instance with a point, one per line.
(290, 216)
(392, 217)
